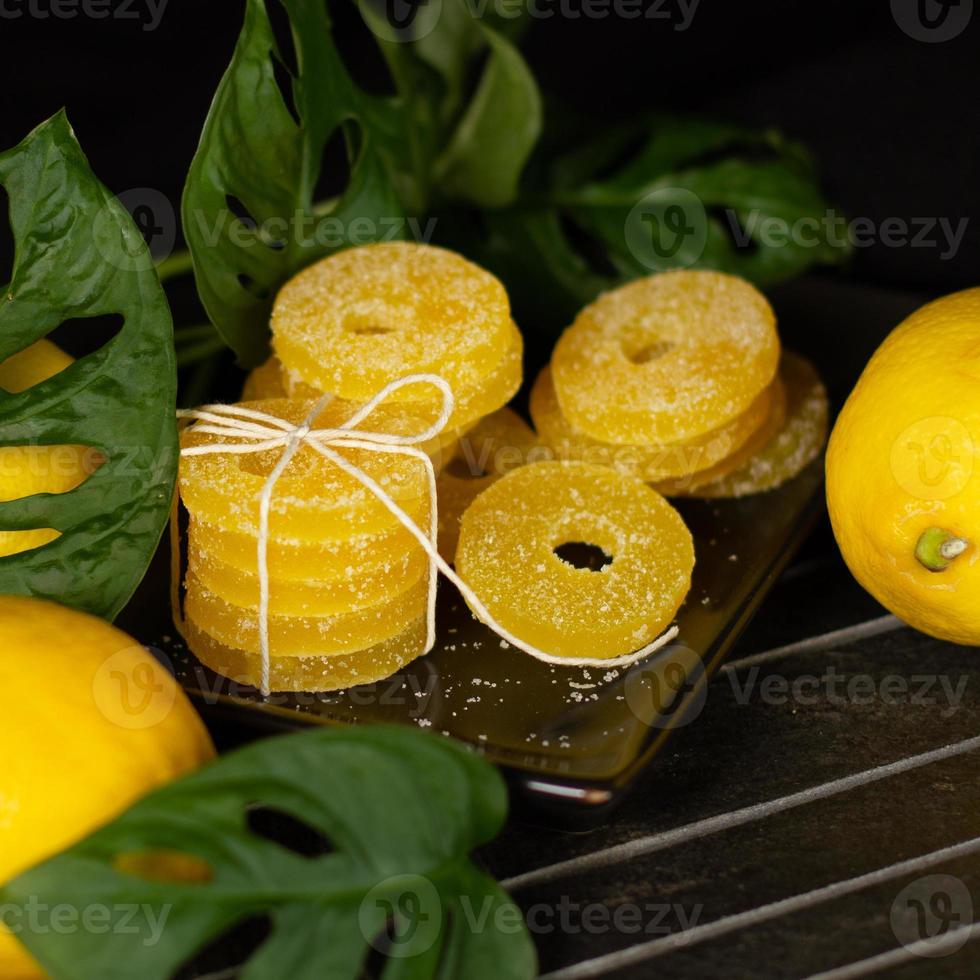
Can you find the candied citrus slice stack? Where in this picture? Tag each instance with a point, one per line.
(649, 463)
(298, 560)
(314, 499)
(314, 673)
(361, 318)
(665, 359)
(271, 381)
(363, 587)
(472, 402)
(297, 636)
(772, 423)
(498, 444)
(790, 447)
(509, 541)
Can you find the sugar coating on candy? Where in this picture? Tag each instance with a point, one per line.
(363, 317)
(498, 444)
(314, 498)
(320, 673)
(666, 358)
(265, 382)
(649, 463)
(297, 636)
(689, 486)
(507, 554)
(291, 560)
(472, 402)
(365, 586)
(799, 440)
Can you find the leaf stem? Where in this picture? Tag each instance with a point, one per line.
(178, 264)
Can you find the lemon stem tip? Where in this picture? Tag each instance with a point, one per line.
(937, 547)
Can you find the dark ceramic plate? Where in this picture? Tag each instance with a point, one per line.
(571, 740)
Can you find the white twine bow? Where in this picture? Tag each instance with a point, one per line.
(260, 432)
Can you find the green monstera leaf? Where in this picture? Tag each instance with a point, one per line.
(79, 257)
(250, 212)
(394, 813)
(658, 194)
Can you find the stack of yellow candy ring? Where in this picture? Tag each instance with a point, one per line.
(348, 584)
(679, 379)
(355, 321)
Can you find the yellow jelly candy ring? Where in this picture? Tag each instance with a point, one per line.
(472, 402)
(649, 463)
(314, 499)
(666, 358)
(508, 553)
(499, 443)
(363, 317)
(798, 441)
(684, 486)
(300, 561)
(329, 673)
(265, 382)
(272, 380)
(302, 636)
(310, 597)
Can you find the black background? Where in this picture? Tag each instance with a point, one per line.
(892, 120)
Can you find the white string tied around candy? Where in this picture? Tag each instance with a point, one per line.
(259, 432)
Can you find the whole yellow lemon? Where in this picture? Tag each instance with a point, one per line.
(26, 470)
(903, 471)
(91, 723)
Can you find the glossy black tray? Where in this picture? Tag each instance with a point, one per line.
(570, 740)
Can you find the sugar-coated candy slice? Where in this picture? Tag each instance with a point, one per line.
(369, 556)
(314, 499)
(473, 402)
(272, 380)
(508, 553)
(363, 317)
(302, 636)
(687, 486)
(799, 440)
(649, 463)
(310, 597)
(265, 381)
(498, 444)
(323, 673)
(665, 359)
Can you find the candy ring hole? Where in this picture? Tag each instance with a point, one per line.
(582, 554)
(648, 352)
(366, 324)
